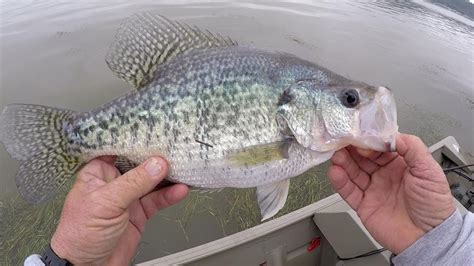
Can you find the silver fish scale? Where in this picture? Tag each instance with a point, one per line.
(199, 109)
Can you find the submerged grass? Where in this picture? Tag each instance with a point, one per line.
(237, 209)
(304, 190)
(26, 229)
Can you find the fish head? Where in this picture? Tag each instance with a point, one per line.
(332, 117)
(359, 115)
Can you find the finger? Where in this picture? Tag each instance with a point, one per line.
(110, 159)
(163, 198)
(371, 162)
(367, 153)
(380, 158)
(95, 174)
(341, 182)
(357, 176)
(366, 164)
(135, 183)
(385, 158)
(412, 148)
(418, 157)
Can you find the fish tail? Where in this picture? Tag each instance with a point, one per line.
(35, 135)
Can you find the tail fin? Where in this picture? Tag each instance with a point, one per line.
(35, 136)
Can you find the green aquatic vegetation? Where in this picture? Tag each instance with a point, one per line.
(304, 190)
(26, 228)
(241, 210)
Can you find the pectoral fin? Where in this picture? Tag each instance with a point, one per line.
(260, 154)
(272, 197)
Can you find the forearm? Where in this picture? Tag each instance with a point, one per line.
(450, 243)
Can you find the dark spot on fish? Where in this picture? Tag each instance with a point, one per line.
(148, 138)
(114, 132)
(187, 140)
(86, 132)
(285, 98)
(76, 130)
(214, 119)
(205, 114)
(186, 117)
(205, 97)
(151, 122)
(124, 120)
(99, 139)
(167, 126)
(74, 150)
(89, 146)
(104, 125)
(134, 130)
(176, 134)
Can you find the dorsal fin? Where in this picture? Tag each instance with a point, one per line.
(145, 41)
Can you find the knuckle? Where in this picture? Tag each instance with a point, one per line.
(95, 197)
(414, 139)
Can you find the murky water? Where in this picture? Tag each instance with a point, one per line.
(52, 53)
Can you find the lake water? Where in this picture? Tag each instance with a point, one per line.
(52, 53)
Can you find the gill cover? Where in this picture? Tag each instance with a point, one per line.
(296, 114)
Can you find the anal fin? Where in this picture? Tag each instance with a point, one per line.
(272, 197)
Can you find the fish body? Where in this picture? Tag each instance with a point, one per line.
(222, 115)
(201, 110)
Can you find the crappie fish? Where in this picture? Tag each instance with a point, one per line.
(221, 114)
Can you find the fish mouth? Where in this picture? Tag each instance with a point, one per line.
(378, 123)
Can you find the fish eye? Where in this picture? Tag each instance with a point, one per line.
(350, 98)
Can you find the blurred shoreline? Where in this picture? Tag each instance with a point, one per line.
(458, 15)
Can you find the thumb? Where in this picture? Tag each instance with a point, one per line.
(419, 159)
(137, 182)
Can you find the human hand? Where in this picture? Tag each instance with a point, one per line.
(399, 196)
(104, 214)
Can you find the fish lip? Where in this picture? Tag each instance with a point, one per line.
(378, 123)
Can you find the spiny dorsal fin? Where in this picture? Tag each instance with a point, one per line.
(146, 41)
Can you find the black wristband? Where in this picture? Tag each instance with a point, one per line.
(50, 258)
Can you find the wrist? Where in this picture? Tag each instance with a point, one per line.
(60, 248)
(406, 238)
(408, 235)
(50, 258)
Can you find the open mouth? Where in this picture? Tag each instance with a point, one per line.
(378, 123)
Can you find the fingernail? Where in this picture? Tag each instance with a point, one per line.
(153, 167)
